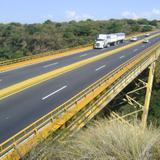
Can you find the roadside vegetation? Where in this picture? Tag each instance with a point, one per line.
(154, 113)
(18, 40)
(104, 140)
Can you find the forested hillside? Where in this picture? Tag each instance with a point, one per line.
(17, 40)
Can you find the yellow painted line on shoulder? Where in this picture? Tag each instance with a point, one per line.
(73, 98)
(44, 77)
(43, 59)
(71, 51)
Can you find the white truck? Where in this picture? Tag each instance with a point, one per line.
(120, 37)
(105, 40)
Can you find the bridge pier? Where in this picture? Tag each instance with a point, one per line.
(148, 94)
(131, 96)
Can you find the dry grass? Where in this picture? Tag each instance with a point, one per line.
(104, 141)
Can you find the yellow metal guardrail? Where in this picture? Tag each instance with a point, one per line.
(26, 58)
(97, 104)
(34, 132)
(49, 53)
(36, 80)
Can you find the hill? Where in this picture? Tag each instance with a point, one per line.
(18, 40)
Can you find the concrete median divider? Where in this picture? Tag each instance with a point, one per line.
(44, 77)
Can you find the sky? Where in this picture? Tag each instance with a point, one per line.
(38, 11)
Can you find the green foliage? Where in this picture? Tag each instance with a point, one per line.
(154, 23)
(143, 21)
(17, 40)
(157, 73)
(146, 28)
(154, 114)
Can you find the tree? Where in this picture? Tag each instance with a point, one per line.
(153, 23)
(146, 28)
(17, 40)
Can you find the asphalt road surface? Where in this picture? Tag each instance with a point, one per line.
(21, 109)
(20, 74)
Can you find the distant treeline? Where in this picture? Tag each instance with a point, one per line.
(18, 40)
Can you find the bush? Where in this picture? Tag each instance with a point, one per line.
(104, 141)
(37, 38)
(146, 28)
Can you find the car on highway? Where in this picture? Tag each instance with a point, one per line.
(133, 39)
(145, 41)
(147, 35)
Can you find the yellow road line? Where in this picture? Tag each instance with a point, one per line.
(44, 77)
(71, 51)
(58, 121)
(43, 59)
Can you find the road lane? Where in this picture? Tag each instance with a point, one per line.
(23, 108)
(21, 74)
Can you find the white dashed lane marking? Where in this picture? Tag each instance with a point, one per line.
(83, 55)
(49, 65)
(51, 94)
(99, 68)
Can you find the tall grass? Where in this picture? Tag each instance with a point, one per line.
(104, 141)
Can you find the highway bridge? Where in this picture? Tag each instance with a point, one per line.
(72, 88)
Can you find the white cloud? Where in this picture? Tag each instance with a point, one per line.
(154, 13)
(48, 16)
(73, 15)
(128, 14)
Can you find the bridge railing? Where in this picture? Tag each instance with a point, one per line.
(49, 53)
(35, 128)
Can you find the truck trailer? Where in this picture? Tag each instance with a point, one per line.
(106, 40)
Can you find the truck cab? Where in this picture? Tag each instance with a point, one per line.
(99, 43)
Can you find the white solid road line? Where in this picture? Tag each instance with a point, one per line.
(83, 55)
(0, 80)
(54, 92)
(48, 65)
(100, 68)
